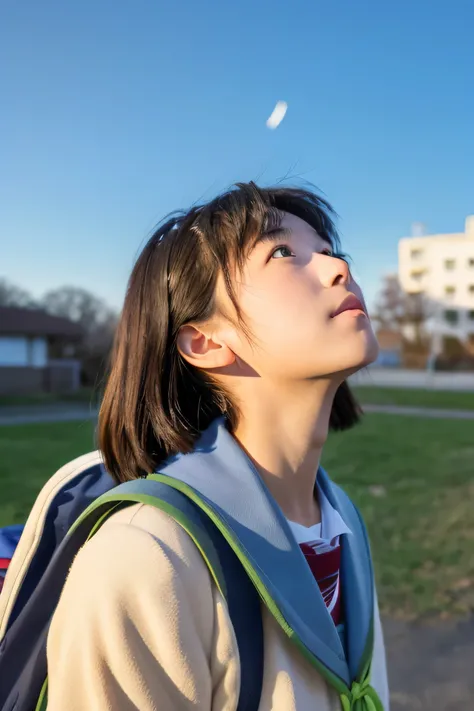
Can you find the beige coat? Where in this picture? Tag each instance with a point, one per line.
(141, 626)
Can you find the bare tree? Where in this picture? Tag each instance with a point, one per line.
(397, 310)
(77, 305)
(12, 295)
(418, 311)
(390, 306)
(98, 322)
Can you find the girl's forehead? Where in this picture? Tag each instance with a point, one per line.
(296, 225)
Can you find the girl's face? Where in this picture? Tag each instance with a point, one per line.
(306, 315)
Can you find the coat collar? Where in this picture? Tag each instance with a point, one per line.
(225, 478)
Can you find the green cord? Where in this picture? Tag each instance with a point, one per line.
(363, 697)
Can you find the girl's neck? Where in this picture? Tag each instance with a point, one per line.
(283, 430)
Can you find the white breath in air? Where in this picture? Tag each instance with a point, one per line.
(277, 115)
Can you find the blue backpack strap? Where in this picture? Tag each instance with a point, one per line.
(70, 500)
(23, 649)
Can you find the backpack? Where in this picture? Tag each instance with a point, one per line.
(9, 538)
(69, 510)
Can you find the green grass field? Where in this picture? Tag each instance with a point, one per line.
(437, 399)
(368, 395)
(86, 395)
(29, 455)
(412, 478)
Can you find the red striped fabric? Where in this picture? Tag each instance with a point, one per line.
(325, 568)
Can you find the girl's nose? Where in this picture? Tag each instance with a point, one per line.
(333, 270)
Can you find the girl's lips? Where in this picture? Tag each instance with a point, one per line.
(350, 303)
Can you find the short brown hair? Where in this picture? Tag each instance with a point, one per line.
(155, 404)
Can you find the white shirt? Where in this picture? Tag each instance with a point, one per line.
(323, 537)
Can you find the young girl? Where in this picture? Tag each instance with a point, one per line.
(240, 326)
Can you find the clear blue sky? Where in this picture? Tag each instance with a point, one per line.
(115, 112)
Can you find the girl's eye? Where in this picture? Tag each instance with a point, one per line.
(282, 252)
(328, 252)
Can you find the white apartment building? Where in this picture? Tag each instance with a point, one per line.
(442, 268)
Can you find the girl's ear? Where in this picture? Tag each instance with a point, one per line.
(202, 350)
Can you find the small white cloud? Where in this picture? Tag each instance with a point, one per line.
(277, 115)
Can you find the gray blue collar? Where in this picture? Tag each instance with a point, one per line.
(222, 474)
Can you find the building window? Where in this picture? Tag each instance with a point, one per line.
(471, 289)
(470, 262)
(449, 291)
(449, 264)
(417, 276)
(416, 253)
(13, 351)
(451, 316)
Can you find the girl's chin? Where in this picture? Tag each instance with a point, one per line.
(365, 359)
